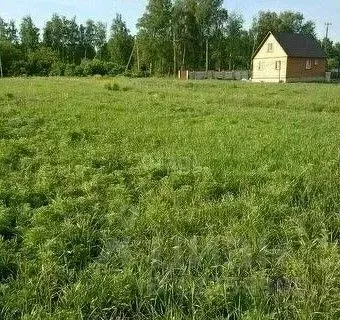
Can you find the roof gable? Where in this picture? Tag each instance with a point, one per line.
(276, 48)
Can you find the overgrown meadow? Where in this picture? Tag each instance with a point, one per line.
(160, 199)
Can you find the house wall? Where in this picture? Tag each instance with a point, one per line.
(268, 72)
(296, 70)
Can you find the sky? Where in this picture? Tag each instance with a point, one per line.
(104, 10)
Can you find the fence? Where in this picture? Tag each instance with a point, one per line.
(220, 75)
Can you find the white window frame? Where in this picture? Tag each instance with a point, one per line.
(270, 47)
(278, 65)
(260, 66)
(316, 62)
(308, 64)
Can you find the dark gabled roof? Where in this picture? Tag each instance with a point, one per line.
(296, 45)
(300, 46)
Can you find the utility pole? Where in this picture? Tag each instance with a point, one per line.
(1, 73)
(175, 54)
(252, 54)
(206, 55)
(327, 24)
(137, 49)
(135, 46)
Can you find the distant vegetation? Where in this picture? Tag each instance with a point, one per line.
(160, 199)
(184, 34)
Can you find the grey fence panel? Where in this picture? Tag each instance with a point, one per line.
(221, 75)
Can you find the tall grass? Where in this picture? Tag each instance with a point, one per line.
(169, 200)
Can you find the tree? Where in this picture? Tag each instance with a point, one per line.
(262, 24)
(9, 54)
(100, 37)
(120, 43)
(70, 38)
(289, 21)
(29, 34)
(186, 34)
(90, 34)
(155, 35)
(53, 34)
(211, 16)
(41, 60)
(234, 30)
(3, 29)
(337, 56)
(12, 32)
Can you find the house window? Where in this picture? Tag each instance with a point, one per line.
(277, 65)
(308, 64)
(270, 47)
(316, 62)
(260, 65)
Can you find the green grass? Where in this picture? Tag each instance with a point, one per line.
(160, 199)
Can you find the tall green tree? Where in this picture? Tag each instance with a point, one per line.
(29, 34)
(233, 45)
(100, 38)
(70, 38)
(155, 36)
(120, 44)
(12, 32)
(211, 16)
(186, 35)
(53, 34)
(90, 36)
(289, 21)
(3, 29)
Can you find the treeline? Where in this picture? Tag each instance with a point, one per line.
(171, 35)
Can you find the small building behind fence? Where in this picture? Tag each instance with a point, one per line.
(220, 75)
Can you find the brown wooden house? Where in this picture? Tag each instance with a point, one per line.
(288, 57)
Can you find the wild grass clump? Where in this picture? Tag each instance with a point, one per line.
(9, 95)
(112, 86)
(202, 200)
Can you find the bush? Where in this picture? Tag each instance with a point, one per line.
(9, 55)
(79, 71)
(70, 70)
(113, 69)
(40, 61)
(18, 68)
(94, 67)
(57, 69)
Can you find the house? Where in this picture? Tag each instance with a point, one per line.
(288, 57)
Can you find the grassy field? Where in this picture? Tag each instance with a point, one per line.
(159, 199)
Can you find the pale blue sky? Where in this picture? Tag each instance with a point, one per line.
(105, 10)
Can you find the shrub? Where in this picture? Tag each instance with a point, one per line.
(57, 69)
(70, 70)
(113, 69)
(94, 67)
(18, 68)
(40, 61)
(79, 71)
